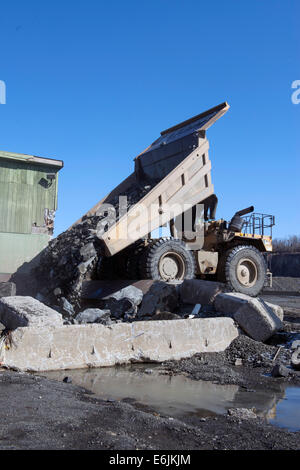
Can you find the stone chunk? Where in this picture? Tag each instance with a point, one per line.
(88, 251)
(257, 319)
(132, 293)
(296, 359)
(7, 289)
(197, 291)
(161, 297)
(94, 315)
(230, 302)
(295, 344)
(66, 307)
(26, 311)
(280, 371)
(123, 303)
(242, 413)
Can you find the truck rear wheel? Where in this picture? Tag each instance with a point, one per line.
(245, 270)
(167, 259)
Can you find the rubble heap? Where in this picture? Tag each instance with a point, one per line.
(73, 256)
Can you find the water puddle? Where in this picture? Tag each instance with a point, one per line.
(287, 411)
(178, 396)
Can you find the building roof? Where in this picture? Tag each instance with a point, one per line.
(31, 159)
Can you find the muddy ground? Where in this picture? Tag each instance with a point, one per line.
(37, 413)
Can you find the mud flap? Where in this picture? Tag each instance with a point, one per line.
(269, 279)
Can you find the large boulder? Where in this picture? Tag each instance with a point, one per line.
(161, 297)
(257, 319)
(198, 291)
(26, 311)
(229, 302)
(7, 289)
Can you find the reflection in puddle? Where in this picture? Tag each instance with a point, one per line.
(179, 396)
(288, 410)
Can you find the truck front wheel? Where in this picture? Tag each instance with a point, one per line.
(167, 259)
(244, 270)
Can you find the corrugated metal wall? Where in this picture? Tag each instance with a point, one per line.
(24, 195)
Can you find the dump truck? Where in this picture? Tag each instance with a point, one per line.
(175, 171)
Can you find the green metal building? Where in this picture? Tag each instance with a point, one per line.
(28, 201)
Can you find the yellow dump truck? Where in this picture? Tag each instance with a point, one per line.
(174, 178)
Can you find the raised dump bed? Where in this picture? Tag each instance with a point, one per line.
(174, 170)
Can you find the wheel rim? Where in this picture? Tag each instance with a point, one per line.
(246, 272)
(171, 266)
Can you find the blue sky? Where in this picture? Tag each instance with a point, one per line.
(94, 82)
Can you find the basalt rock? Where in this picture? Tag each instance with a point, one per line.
(94, 315)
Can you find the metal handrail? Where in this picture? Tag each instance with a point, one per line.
(259, 224)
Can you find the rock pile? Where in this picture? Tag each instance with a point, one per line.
(72, 257)
(66, 261)
(129, 304)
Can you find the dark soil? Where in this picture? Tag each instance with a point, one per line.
(37, 413)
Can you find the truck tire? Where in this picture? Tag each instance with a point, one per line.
(244, 269)
(167, 259)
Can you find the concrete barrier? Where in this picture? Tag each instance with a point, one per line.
(257, 319)
(230, 302)
(95, 345)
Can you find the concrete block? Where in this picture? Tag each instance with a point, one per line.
(257, 319)
(22, 311)
(95, 345)
(7, 289)
(197, 291)
(230, 302)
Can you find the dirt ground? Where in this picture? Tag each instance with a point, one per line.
(37, 413)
